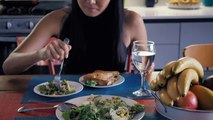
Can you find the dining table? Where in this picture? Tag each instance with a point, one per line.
(17, 91)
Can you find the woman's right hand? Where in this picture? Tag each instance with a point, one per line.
(55, 50)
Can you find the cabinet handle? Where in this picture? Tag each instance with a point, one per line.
(9, 25)
(30, 25)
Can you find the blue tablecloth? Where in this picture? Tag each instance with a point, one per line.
(37, 118)
(131, 83)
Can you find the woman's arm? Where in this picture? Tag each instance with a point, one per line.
(33, 49)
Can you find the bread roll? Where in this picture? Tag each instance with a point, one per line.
(102, 77)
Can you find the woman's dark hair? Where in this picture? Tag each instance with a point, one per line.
(96, 33)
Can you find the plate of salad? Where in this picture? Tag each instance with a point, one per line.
(102, 107)
(49, 89)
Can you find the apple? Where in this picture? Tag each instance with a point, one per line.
(190, 101)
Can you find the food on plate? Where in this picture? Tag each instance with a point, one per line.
(172, 89)
(52, 89)
(99, 108)
(189, 101)
(165, 98)
(184, 2)
(188, 62)
(208, 82)
(204, 95)
(185, 79)
(101, 78)
(174, 1)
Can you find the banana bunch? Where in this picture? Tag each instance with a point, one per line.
(176, 78)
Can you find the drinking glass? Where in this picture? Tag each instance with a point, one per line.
(143, 55)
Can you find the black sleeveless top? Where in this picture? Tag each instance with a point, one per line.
(94, 46)
(94, 55)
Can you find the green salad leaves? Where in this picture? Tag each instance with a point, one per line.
(52, 89)
(91, 83)
(99, 108)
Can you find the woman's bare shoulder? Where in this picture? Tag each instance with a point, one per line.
(132, 19)
(57, 15)
(135, 25)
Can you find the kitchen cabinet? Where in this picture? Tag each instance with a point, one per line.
(174, 29)
(172, 38)
(166, 37)
(195, 33)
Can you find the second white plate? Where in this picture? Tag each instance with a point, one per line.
(120, 81)
(78, 88)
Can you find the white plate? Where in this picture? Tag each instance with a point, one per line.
(176, 113)
(118, 82)
(78, 101)
(78, 88)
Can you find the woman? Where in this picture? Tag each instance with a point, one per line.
(100, 33)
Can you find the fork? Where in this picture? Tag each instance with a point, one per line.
(62, 107)
(57, 77)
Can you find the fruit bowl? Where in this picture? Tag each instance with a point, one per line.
(176, 113)
(182, 78)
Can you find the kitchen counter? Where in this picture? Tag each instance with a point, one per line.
(161, 12)
(173, 29)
